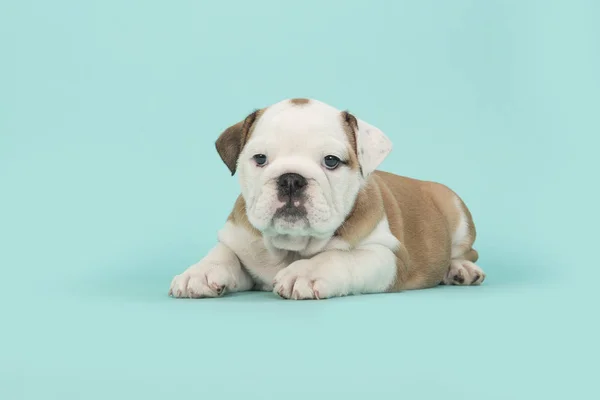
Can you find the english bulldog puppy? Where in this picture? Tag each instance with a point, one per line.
(316, 220)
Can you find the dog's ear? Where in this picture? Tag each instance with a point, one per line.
(231, 142)
(372, 145)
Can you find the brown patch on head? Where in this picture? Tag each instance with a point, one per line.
(231, 142)
(239, 217)
(300, 102)
(367, 212)
(350, 125)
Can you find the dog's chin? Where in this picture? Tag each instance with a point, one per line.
(290, 220)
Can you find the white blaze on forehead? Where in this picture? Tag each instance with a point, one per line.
(308, 126)
(297, 124)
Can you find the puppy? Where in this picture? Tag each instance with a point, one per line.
(315, 219)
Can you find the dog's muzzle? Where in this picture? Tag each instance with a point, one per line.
(291, 191)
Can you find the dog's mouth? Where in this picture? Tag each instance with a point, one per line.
(291, 212)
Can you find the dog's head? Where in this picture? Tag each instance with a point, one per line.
(301, 164)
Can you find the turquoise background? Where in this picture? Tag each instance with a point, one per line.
(110, 185)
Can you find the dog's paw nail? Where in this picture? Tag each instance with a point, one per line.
(217, 288)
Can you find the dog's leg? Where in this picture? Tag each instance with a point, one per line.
(217, 273)
(367, 269)
(462, 269)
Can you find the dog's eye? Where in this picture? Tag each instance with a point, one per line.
(331, 162)
(260, 159)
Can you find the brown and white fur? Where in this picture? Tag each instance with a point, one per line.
(352, 230)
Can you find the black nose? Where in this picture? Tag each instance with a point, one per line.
(290, 184)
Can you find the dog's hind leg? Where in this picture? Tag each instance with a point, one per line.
(462, 269)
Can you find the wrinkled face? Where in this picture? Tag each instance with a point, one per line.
(299, 165)
(298, 171)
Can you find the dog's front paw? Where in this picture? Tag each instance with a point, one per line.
(304, 281)
(201, 281)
